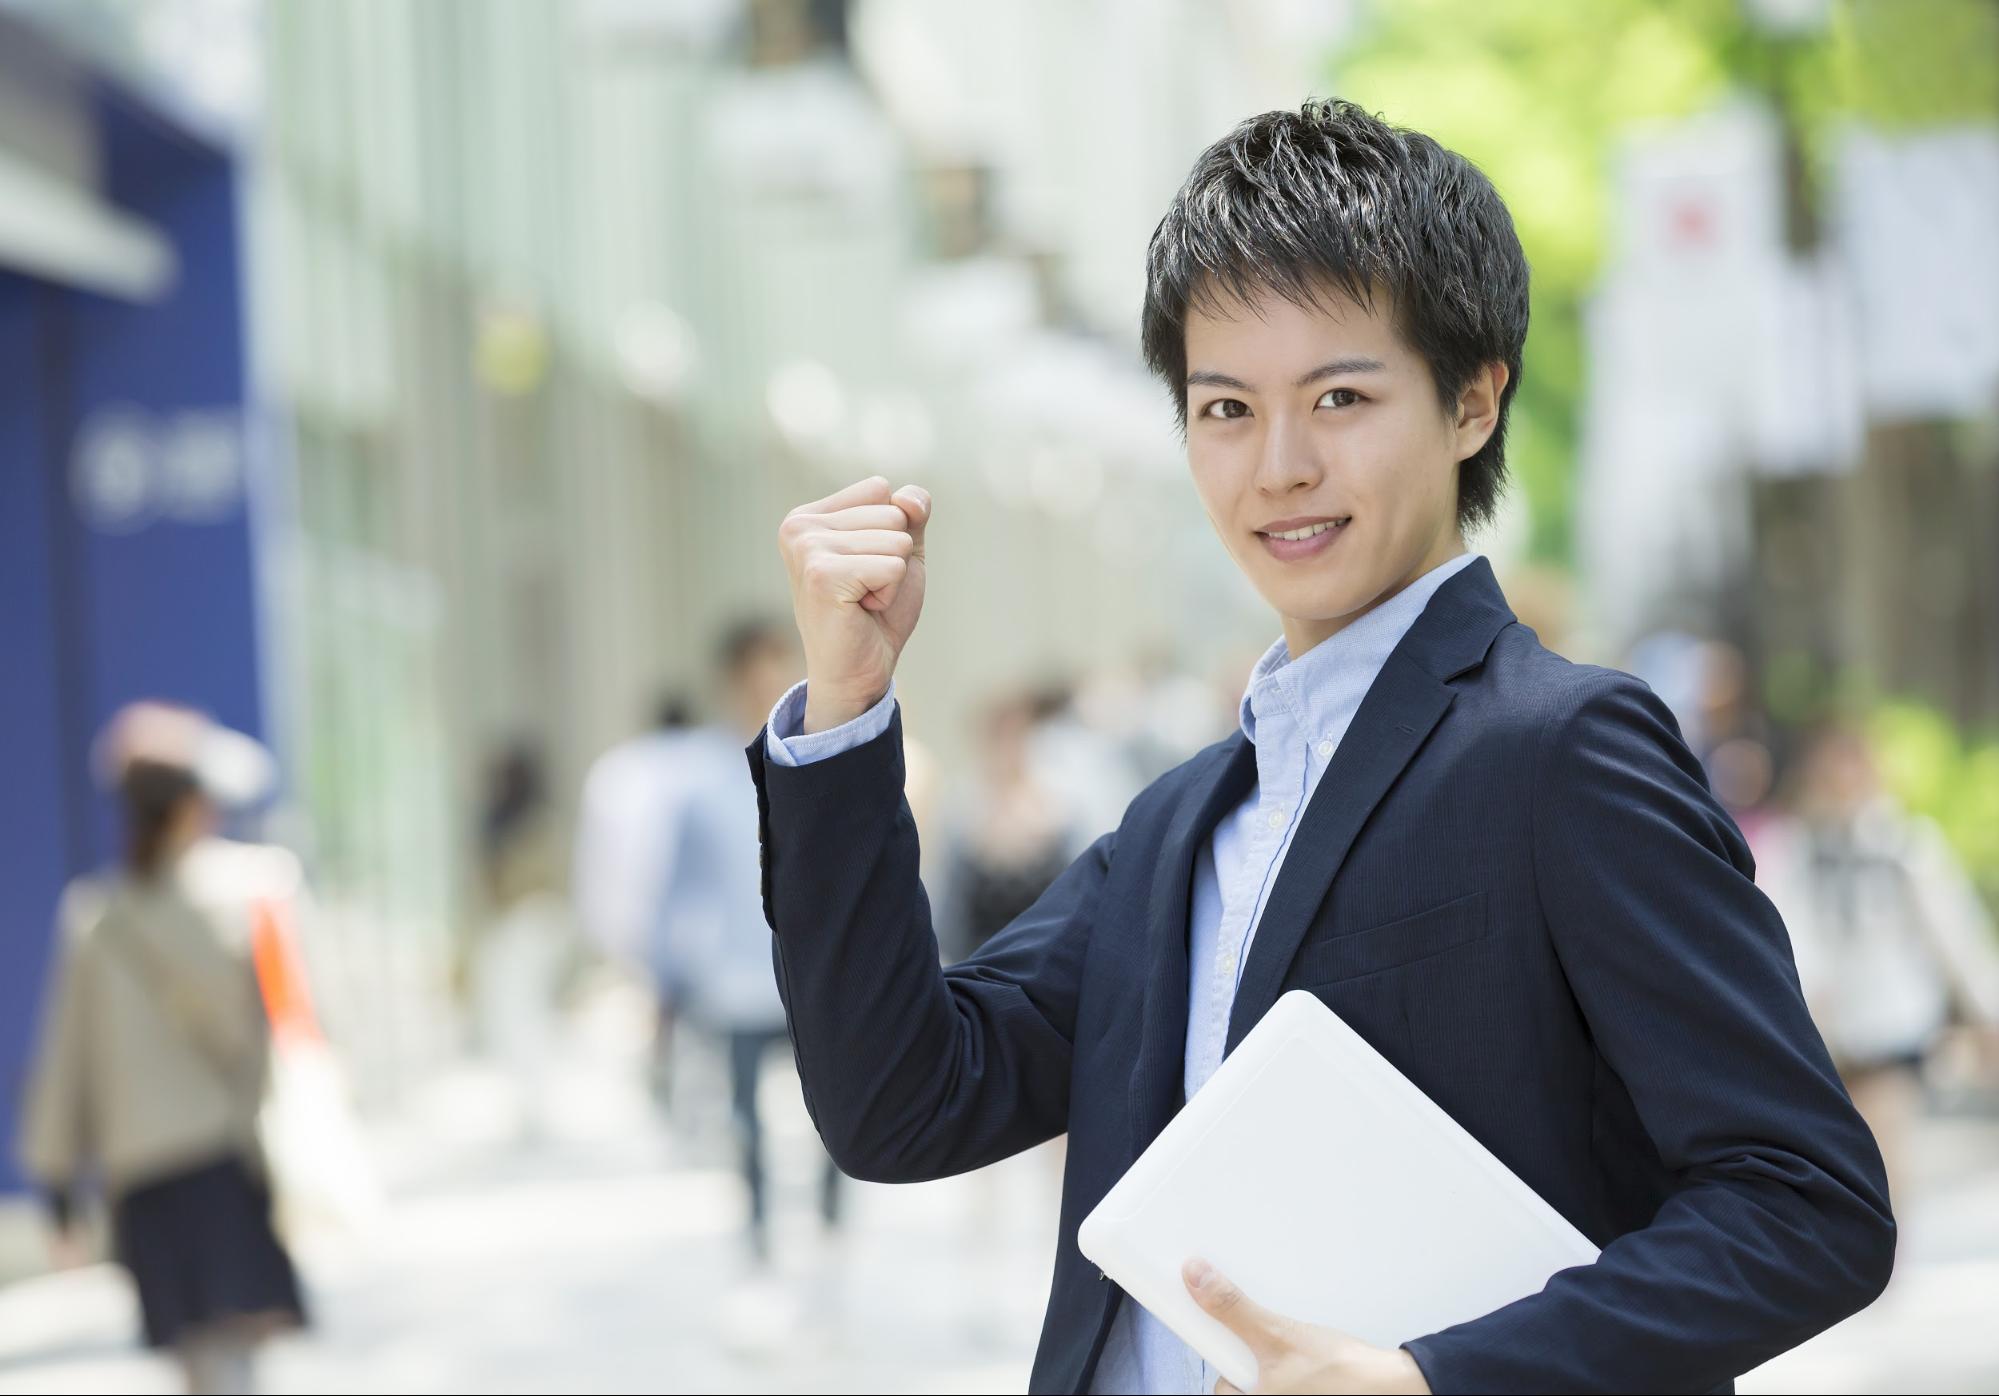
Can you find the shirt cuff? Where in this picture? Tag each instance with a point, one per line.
(786, 745)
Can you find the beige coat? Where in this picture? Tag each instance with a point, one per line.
(155, 1048)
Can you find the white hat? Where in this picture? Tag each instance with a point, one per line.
(233, 769)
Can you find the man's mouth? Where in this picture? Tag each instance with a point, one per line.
(1292, 539)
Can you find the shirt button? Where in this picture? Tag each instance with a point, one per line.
(1276, 820)
(1326, 748)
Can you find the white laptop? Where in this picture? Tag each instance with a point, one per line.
(1318, 1178)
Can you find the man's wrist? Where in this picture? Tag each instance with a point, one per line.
(824, 712)
(1399, 1373)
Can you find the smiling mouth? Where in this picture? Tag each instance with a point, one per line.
(1312, 530)
(1306, 541)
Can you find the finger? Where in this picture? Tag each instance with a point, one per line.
(915, 503)
(882, 595)
(865, 516)
(839, 577)
(873, 490)
(867, 542)
(1220, 1296)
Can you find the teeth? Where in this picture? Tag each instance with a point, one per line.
(1297, 533)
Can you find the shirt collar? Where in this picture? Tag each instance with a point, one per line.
(1336, 673)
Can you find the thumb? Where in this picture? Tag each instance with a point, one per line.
(1222, 1298)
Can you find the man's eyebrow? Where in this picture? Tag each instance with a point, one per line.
(1336, 367)
(1208, 378)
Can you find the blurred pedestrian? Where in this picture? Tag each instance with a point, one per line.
(1008, 842)
(525, 940)
(1081, 746)
(623, 838)
(1011, 839)
(1181, 714)
(155, 1053)
(1891, 939)
(713, 938)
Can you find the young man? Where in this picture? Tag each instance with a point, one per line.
(1504, 870)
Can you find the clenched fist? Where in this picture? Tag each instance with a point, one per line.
(856, 565)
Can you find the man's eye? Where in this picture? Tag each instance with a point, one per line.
(1226, 409)
(1339, 397)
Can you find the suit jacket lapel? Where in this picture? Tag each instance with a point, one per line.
(1218, 787)
(1408, 699)
(1393, 721)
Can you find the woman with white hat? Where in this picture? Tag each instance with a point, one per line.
(155, 1049)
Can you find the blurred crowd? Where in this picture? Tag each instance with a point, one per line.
(183, 1074)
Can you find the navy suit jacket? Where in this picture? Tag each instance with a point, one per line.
(1512, 881)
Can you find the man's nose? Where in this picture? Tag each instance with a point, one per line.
(1289, 458)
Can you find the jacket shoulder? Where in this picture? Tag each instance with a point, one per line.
(1538, 691)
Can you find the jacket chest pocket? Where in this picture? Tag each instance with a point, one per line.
(1437, 931)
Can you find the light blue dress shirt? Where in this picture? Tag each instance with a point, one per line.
(1295, 712)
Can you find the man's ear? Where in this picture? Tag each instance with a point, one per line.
(1478, 407)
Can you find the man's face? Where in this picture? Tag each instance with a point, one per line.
(1323, 420)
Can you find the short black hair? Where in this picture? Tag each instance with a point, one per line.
(1331, 197)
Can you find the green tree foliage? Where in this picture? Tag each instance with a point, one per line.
(1953, 780)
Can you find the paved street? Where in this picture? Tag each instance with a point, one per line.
(608, 1259)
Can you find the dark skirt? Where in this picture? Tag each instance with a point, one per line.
(201, 1250)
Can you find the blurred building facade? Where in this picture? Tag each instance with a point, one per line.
(559, 307)
(1792, 426)
(126, 493)
(551, 310)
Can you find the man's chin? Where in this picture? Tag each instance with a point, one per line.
(1320, 606)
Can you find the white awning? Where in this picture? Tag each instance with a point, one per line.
(52, 229)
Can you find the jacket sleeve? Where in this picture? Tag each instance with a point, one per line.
(911, 1071)
(1779, 1226)
(55, 1141)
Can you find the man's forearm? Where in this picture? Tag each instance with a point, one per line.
(910, 1072)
